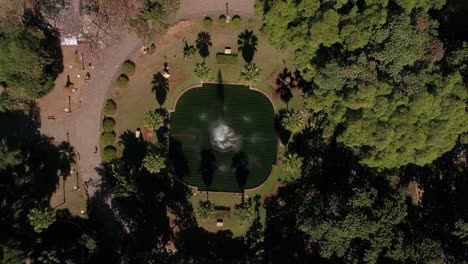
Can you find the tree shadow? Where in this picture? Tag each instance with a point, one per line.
(207, 167)
(197, 243)
(203, 43)
(160, 88)
(285, 84)
(247, 44)
(178, 159)
(301, 83)
(282, 133)
(134, 148)
(240, 166)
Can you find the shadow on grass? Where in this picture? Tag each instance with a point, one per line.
(160, 88)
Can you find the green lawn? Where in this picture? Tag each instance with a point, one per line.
(66, 197)
(227, 200)
(248, 112)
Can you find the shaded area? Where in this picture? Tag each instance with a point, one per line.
(284, 84)
(240, 166)
(203, 44)
(283, 133)
(160, 87)
(247, 44)
(207, 167)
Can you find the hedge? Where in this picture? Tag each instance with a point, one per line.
(128, 68)
(222, 20)
(108, 124)
(222, 58)
(110, 108)
(109, 153)
(108, 138)
(207, 21)
(236, 22)
(122, 81)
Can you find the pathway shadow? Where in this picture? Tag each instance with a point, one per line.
(160, 88)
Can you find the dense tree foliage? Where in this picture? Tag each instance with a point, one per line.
(250, 73)
(27, 62)
(154, 119)
(384, 79)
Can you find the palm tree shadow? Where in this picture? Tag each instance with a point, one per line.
(285, 83)
(247, 43)
(240, 166)
(177, 158)
(160, 88)
(207, 167)
(134, 148)
(203, 43)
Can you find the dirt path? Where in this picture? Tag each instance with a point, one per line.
(82, 128)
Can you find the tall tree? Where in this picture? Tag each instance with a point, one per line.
(250, 73)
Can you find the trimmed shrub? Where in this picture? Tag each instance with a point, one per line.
(108, 138)
(222, 58)
(110, 108)
(108, 124)
(236, 22)
(109, 153)
(207, 21)
(128, 68)
(122, 81)
(222, 20)
(152, 48)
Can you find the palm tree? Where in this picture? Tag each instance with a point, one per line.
(154, 163)
(41, 219)
(203, 43)
(247, 42)
(251, 73)
(201, 71)
(189, 50)
(154, 120)
(292, 163)
(295, 121)
(205, 210)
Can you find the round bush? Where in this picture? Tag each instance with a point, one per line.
(108, 138)
(207, 21)
(236, 21)
(222, 20)
(110, 107)
(109, 153)
(128, 68)
(108, 124)
(122, 81)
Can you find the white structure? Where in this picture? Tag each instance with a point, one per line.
(70, 41)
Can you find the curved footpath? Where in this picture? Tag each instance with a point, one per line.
(83, 125)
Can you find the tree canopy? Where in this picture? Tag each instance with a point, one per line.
(386, 82)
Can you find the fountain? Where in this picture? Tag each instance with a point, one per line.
(223, 137)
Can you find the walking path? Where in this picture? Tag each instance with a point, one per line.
(191, 8)
(82, 127)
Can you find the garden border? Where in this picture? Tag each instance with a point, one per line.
(278, 141)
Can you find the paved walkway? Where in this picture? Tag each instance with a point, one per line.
(191, 8)
(82, 127)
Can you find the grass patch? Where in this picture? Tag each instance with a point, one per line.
(222, 58)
